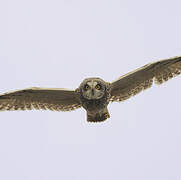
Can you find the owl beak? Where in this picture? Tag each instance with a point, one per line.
(92, 92)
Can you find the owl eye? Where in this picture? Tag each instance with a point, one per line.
(86, 87)
(98, 86)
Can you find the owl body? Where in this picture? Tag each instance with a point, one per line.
(93, 94)
(95, 100)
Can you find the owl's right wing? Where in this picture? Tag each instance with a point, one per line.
(40, 98)
(136, 81)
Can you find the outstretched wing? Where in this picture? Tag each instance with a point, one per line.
(142, 78)
(40, 98)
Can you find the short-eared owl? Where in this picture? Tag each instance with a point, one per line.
(93, 94)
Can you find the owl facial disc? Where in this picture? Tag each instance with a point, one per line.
(93, 89)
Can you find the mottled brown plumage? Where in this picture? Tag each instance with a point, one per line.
(40, 98)
(142, 78)
(93, 94)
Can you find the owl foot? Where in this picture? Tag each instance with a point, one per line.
(106, 115)
(98, 117)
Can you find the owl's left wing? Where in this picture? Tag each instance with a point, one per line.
(142, 78)
(40, 98)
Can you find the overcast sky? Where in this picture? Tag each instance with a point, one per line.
(58, 43)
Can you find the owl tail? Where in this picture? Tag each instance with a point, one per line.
(98, 117)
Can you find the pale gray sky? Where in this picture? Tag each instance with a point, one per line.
(55, 43)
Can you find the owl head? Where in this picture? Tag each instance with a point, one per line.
(93, 88)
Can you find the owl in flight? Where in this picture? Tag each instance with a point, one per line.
(93, 94)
